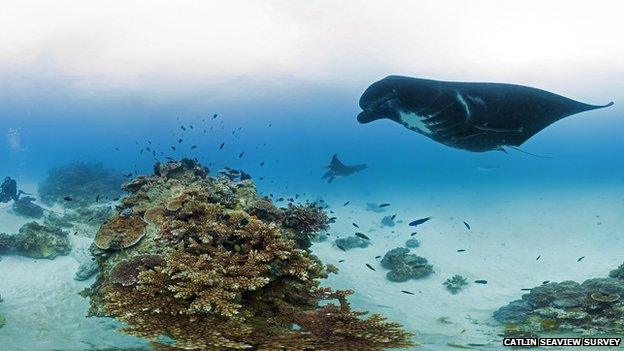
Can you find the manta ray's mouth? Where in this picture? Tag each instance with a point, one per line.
(378, 108)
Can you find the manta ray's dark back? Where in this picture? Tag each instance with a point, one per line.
(470, 116)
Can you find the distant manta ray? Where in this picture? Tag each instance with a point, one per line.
(471, 116)
(338, 169)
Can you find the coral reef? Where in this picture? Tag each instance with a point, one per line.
(404, 266)
(211, 272)
(412, 243)
(455, 283)
(25, 207)
(84, 183)
(40, 241)
(351, 242)
(593, 307)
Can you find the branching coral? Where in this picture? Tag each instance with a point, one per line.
(216, 276)
(304, 222)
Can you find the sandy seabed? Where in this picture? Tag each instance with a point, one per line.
(509, 230)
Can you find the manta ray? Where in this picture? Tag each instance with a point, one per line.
(470, 116)
(339, 169)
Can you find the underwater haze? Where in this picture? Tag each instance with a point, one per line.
(522, 242)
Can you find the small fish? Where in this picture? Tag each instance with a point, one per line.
(362, 236)
(414, 233)
(461, 250)
(241, 154)
(384, 205)
(526, 289)
(115, 199)
(180, 141)
(580, 259)
(481, 281)
(215, 116)
(463, 331)
(346, 203)
(221, 147)
(173, 148)
(545, 282)
(538, 257)
(377, 256)
(371, 267)
(261, 163)
(97, 198)
(467, 225)
(128, 175)
(355, 225)
(117, 148)
(407, 292)
(419, 221)
(194, 147)
(182, 127)
(340, 261)
(341, 248)
(67, 198)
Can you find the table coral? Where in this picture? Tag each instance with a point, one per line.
(120, 232)
(225, 278)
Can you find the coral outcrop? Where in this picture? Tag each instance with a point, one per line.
(214, 272)
(404, 266)
(25, 207)
(618, 273)
(593, 307)
(83, 183)
(455, 283)
(41, 241)
(6, 243)
(412, 243)
(351, 242)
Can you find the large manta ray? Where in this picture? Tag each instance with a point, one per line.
(471, 116)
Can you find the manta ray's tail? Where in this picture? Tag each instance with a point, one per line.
(526, 152)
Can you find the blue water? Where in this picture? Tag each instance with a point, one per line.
(513, 201)
(295, 135)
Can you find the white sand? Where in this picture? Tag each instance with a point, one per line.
(509, 230)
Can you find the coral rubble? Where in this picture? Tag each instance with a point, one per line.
(404, 266)
(593, 307)
(455, 283)
(83, 183)
(218, 268)
(41, 241)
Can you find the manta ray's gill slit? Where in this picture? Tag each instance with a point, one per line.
(461, 100)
